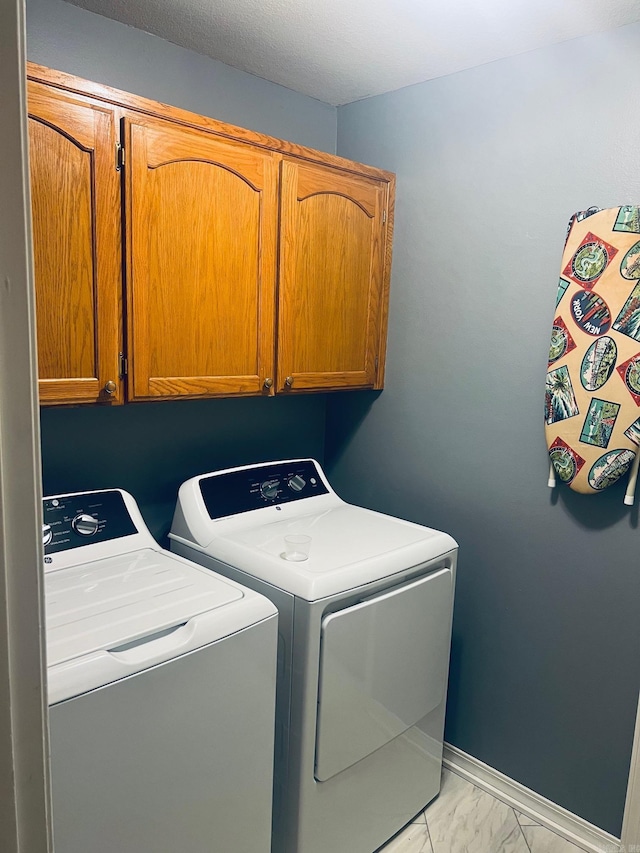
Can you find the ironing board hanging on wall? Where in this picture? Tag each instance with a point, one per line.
(592, 399)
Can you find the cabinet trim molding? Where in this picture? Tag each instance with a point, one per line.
(119, 98)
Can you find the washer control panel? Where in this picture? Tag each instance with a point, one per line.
(70, 521)
(233, 492)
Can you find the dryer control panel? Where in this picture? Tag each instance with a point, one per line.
(71, 521)
(233, 492)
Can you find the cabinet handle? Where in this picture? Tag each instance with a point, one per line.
(110, 388)
(268, 382)
(288, 381)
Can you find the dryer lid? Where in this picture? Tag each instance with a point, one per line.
(350, 546)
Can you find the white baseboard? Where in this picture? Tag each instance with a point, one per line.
(554, 817)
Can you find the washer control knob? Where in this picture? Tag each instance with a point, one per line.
(269, 489)
(47, 534)
(297, 483)
(85, 525)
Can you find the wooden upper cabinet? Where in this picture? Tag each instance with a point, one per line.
(251, 265)
(201, 262)
(75, 193)
(332, 279)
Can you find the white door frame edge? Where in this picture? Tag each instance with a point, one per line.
(631, 820)
(25, 823)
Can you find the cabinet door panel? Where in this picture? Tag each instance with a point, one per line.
(331, 278)
(75, 198)
(201, 256)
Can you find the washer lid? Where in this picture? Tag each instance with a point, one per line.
(108, 603)
(350, 546)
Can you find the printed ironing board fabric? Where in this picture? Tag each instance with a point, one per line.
(592, 400)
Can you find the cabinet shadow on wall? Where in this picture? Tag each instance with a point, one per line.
(149, 449)
(345, 413)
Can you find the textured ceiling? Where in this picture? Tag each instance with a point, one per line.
(343, 50)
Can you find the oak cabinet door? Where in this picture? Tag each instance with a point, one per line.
(201, 263)
(75, 200)
(331, 278)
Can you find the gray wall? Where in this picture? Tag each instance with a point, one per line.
(150, 448)
(491, 163)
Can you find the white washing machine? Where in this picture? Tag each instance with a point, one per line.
(161, 679)
(364, 636)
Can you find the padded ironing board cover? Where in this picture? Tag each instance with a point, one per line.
(592, 399)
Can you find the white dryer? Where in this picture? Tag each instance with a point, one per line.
(364, 636)
(161, 680)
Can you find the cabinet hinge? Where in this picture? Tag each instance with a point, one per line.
(376, 362)
(119, 156)
(384, 216)
(123, 365)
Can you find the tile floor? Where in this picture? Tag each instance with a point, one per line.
(465, 819)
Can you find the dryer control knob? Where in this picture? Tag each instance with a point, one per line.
(47, 534)
(297, 483)
(269, 489)
(85, 525)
